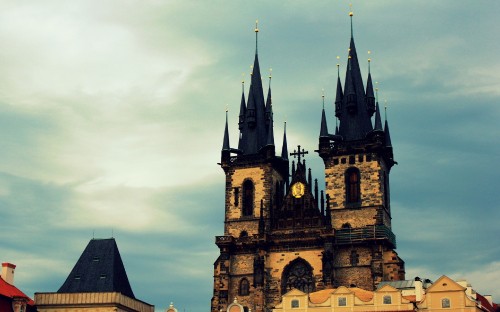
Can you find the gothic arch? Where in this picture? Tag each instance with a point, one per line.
(298, 274)
(353, 185)
(244, 287)
(248, 197)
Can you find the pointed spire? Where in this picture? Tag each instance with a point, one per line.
(339, 96)
(378, 119)
(255, 134)
(370, 97)
(354, 118)
(225, 143)
(284, 148)
(324, 127)
(243, 106)
(269, 102)
(388, 142)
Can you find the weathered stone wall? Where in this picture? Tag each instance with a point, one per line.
(372, 174)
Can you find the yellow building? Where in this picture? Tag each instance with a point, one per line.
(446, 294)
(345, 299)
(443, 295)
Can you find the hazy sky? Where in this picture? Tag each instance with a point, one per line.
(112, 116)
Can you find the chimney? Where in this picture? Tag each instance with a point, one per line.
(419, 289)
(489, 298)
(8, 272)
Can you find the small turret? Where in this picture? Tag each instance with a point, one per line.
(370, 97)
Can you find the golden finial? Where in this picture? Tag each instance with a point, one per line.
(251, 70)
(376, 90)
(270, 73)
(256, 25)
(338, 60)
(369, 59)
(350, 10)
(227, 108)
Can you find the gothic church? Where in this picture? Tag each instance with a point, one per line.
(279, 232)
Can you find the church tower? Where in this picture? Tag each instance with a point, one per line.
(280, 232)
(358, 159)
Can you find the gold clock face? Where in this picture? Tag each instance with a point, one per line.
(298, 189)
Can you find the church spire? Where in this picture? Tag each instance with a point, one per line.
(388, 142)
(284, 148)
(354, 117)
(255, 131)
(339, 96)
(269, 102)
(225, 141)
(324, 127)
(370, 97)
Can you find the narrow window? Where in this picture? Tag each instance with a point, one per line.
(386, 192)
(248, 194)
(445, 303)
(387, 300)
(352, 185)
(236, 196)
(342, 301)
(244, 289)
(295, 304)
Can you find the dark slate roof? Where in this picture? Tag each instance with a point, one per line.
(99, 269)
(355, 122)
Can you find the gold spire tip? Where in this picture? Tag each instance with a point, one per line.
(256, 25)
(350, 10)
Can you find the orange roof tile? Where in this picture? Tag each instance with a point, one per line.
(320, 296)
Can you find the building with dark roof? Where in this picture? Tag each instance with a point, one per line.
(98, 280)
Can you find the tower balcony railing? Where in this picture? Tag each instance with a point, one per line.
(226, 239)
(367, 233)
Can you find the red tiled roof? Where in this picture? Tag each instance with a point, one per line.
(485, 304)
(11, 291)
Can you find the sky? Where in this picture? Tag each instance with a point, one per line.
(112, 115)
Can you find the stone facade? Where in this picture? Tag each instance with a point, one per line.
(280, 232)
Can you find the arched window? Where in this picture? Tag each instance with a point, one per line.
(248, 194)
(352, 185)
(244, 289)
(298, 274)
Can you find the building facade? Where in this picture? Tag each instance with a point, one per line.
(443, 295)
(280, 233)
